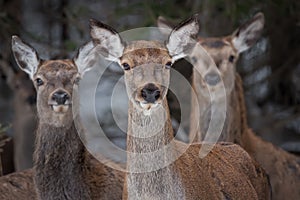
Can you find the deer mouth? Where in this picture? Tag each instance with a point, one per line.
(148, 107)
(60, 108)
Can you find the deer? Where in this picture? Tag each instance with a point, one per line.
(282, 167)
(159, 167)
(63, 168)
(24, 119)
(18, 185)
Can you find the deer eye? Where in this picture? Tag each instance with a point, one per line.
(126, 66)
(76, 81)
(39, 82)
(168, 65)
(194, 60)
(231, 58)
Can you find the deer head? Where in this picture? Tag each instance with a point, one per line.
(146, 64)
(53, 80)
(224, 51)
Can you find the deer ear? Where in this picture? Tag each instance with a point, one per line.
(248, 34)
(85, 58)
(26, 57)
(181, 39)
(165, 27)
(107, 41)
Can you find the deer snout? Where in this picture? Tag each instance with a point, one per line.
(212, 78)
(60, 97)
(150, 93)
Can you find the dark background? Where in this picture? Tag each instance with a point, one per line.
(270, 70)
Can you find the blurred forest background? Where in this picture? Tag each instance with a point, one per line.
(56, 28)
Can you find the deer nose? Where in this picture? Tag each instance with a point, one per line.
(212, 79)
(60, 97)
(150, 93)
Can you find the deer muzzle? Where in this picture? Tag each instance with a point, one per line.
(150, 93)
(212, 78)
(60, 101)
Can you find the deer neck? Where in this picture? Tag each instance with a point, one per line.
(158, 182)
(59, 163)
(147, 133)
(233, 123)
(235, 120)
(240, 123)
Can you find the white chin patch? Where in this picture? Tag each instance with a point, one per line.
(60, 108)
(147, 112)
(147, 108)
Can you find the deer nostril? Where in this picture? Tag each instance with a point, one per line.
(157, 94)
(144, 93)
(212, 79)
(60, 97)
(150, 93)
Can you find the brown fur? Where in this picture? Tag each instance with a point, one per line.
(18, 185)
(78, 177)
(63, 169)
(220, 55)
(24, 126)
(24, 119)
(227, 172)
(282, 167)
(175, 171)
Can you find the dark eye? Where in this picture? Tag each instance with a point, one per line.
(39, 82)
(231, 58)
(194, 60)
(76, 81)
(126, 66)
(168, 65)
